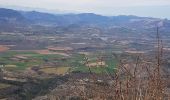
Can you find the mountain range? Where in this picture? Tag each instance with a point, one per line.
(13, 20)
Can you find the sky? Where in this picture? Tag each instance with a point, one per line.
(151, 8)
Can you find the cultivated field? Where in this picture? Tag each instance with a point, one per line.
(57, 70)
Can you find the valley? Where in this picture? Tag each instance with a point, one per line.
(39, 58)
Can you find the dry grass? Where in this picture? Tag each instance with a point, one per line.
(57, 70)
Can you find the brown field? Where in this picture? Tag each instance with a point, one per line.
(22, 56)
(46, 52)
(43, 52)
(57, 71)
(3, 48)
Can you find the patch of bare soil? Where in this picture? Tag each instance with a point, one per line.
(46, 52)
(52, 48)
(21, 56)
(3, 48)
(95, 64)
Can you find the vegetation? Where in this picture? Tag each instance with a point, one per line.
(23, 60)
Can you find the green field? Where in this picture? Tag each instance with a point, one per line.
(32, 59)
(75, 62)
(109, 66)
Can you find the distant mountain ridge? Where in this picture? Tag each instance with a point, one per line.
(9, 13)
(11, 17)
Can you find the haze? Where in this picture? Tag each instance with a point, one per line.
(151, 8)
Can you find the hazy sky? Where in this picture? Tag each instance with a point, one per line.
(154, 8)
